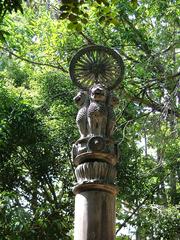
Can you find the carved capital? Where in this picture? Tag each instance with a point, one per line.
(95, 172)
(89, 149)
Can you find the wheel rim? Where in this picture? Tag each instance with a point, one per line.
(96, 64)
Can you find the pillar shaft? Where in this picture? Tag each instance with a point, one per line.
(94, 215)
(95, 201)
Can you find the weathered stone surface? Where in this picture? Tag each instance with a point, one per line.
(96, 115)
(94, 215)
(111, 120)
(82, 101)
(110, 188)
(96, 147)
(97, 111)
(99, 172)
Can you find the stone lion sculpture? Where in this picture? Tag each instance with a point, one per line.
(113, 101)
(82, 101)
(97, 111)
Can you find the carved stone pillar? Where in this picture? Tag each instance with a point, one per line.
(97, 70)
(95, 201)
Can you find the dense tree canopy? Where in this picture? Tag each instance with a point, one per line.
(37, 114)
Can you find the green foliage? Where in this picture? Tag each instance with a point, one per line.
(8, 6)
(164, 221)
(37, 115)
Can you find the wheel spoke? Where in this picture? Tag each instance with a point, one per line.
(96, 64)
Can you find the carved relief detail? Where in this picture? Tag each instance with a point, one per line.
(96, 115)
(111, 120)
(97, 111)
(95, 120)
(95, 153)
(95, 172)
(82, 101)
(96, 147)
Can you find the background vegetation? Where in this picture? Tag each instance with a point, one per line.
(37, 114)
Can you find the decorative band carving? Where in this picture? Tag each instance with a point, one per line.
(112, 189)
(95, 148)
(95, 172)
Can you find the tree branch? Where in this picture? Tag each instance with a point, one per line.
(141, 204)
(128, 57)
(33, 62)
(138, 39)
(51, 188)
(168, 48)
(89, 41)
(71, 165)
(153, 105)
